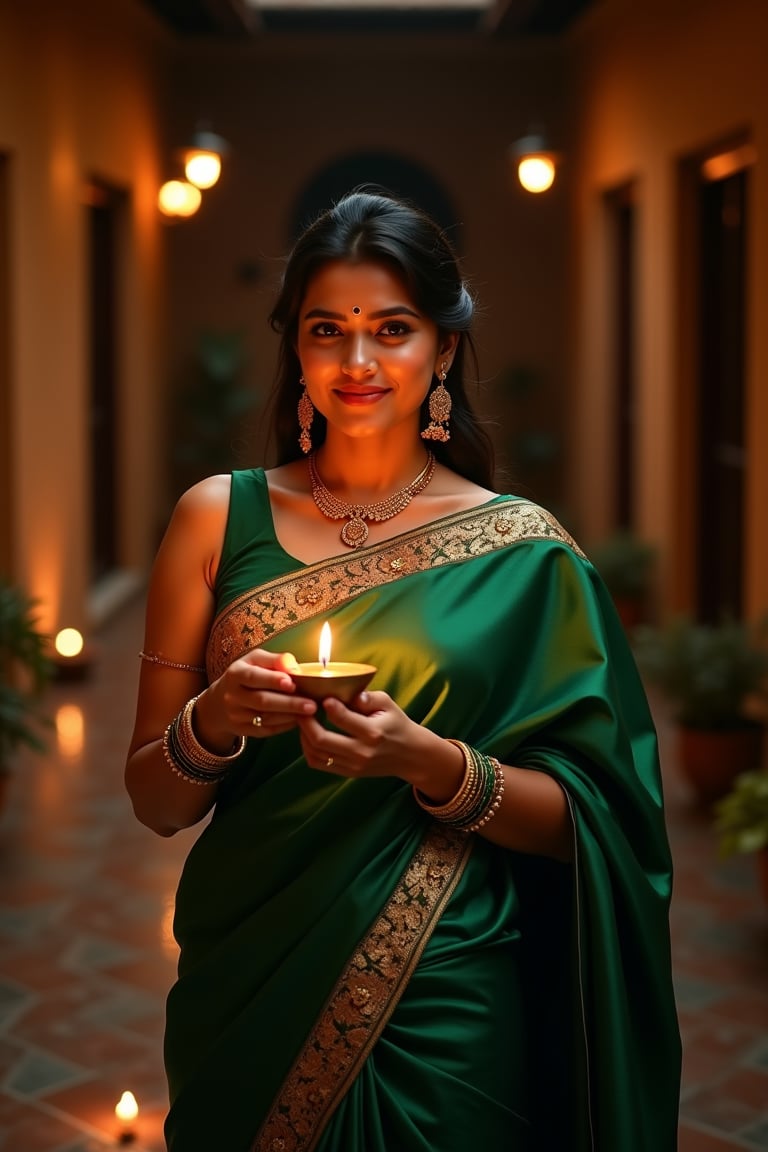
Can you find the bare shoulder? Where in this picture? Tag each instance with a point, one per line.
(207, 497)
(203, 508)
(196, 530)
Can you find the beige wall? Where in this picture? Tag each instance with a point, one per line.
(657, 82)
(79, 98)
(85, 90)
(289, 107)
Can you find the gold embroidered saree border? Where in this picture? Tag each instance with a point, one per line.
(259, 614)
(365, 995)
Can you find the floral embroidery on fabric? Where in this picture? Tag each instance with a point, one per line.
(255, 617)
(365, 995)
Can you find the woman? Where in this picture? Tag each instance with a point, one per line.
(437, 917)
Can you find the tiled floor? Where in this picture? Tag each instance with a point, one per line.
(86, 952)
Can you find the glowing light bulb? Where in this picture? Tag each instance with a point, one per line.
(536, 173)
(203, 168)
(179, 198)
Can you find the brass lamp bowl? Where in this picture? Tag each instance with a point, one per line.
(336, 678)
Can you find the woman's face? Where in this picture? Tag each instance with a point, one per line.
(367, 354)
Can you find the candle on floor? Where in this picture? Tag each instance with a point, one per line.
(126, 1111)
(70, 658)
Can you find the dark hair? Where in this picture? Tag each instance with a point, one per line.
(372, 225)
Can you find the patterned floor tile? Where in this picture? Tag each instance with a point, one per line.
(13, 1001)
(40, 1072)
(87, 954)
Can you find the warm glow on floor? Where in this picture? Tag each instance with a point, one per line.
(70, 729)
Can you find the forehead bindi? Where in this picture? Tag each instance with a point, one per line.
(345, 291)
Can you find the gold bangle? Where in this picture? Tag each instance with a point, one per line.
(190, 744)
(478, 797)
(495, 802)
(153, 658)
(465, 794)
(188, 757)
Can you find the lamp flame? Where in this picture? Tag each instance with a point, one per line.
(126, 1111)
(126, 1108)
(68, 642)
(324, 651)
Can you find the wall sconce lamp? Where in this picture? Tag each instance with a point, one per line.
(536, 163)
(179, 198)
(202, 160)
(202, 168)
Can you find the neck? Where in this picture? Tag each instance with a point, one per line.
(363, 469)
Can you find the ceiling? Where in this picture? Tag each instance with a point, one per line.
(245, 19)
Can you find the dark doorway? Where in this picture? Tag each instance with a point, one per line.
(721, 456)
(6, 440)
(622, 223)
(387, 170)
(105, 210)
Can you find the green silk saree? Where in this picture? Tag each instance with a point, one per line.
(354, 978)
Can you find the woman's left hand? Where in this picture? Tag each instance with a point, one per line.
(376, 738)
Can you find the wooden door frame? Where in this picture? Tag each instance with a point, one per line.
(716, 162)
(6, 377)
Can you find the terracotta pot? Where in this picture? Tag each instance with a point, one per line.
(711, 758)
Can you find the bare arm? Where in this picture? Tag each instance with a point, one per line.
(378, 739)
(179, 613)
(533, 816)
(180, 610)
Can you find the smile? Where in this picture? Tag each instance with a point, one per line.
(360, 396)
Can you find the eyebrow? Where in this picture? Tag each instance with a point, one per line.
(382, 314)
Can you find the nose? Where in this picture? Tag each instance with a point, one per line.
(358, 363)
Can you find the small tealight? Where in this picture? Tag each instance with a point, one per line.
(126, 1111)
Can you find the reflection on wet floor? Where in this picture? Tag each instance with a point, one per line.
(87, 953)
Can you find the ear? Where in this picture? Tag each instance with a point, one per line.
(446, 349)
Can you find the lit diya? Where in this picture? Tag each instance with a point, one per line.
(325, 677)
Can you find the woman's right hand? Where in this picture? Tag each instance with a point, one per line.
(255, 696)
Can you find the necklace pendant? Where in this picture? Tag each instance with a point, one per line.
(355, 532)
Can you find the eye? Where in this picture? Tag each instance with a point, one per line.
(395, 328)
(325, 328)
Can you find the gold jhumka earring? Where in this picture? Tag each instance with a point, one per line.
(306, 411)
(439, 410)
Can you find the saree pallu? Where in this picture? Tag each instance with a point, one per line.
(354, 978)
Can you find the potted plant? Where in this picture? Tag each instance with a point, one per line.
(210, 404)
(713, 676)
(626, 564)
(24, 671)
(741, 819)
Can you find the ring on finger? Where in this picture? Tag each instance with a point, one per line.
(329, 762)
(257, 721)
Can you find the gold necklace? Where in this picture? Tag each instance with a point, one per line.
(355, 531)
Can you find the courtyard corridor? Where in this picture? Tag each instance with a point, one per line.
(87, 952)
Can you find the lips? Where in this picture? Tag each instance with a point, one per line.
(360, 395)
